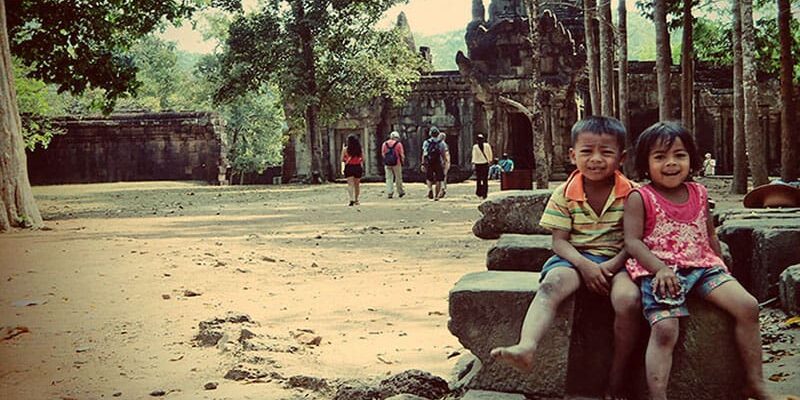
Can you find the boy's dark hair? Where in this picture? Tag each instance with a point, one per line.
(664, 133)
(600, 125)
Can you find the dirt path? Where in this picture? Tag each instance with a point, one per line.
(128, 271)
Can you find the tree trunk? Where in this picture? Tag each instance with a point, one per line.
(16, 198)
(537, 121)
(606, 57)
(739, 183)
(622, 39)
(662, 59)
(592, 56)
(311, 111)
(687, 69)
(755, 141)
(789, 162)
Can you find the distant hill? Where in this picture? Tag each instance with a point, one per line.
(641, 43)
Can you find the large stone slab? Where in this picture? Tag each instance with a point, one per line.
(761, 249)
(732, 214)
(486, 311)
(512, 211)
(789, 289)
(515, 252)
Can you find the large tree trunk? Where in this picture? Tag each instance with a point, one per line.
(606, 57)
(536, 118)
(663, 58)
(789, 162)
(622, 40)
(319, 172)
(687, 68)
(756, 148)
(592, 56)
(16, 198)
(739, 183)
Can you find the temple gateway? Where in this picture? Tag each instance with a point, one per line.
(497, 68)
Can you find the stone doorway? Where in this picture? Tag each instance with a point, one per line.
(520, 143)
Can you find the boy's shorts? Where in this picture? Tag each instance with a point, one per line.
(701, 281)
(556, 262)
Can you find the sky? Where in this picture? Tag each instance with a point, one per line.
(426, 17)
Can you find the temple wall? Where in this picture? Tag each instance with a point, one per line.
(132, 147)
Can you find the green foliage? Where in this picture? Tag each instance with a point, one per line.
(83, 44)
(254, 131)
(353, 63)
(37, 102)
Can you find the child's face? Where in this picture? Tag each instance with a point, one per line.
(596, 156)
(669, 166)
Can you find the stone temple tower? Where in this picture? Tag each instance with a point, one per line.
(498, 67)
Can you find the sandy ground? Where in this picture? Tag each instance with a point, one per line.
(112, 295)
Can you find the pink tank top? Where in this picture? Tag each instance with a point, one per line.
(676, 233)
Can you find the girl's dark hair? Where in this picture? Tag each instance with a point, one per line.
(353, 146)
(664, 134)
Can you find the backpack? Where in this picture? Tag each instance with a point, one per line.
(434, 156)
(390, 158)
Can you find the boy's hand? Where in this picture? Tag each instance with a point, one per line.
(607, 269)
(595, 278)
(666, 282)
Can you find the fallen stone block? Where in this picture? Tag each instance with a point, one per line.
(514, 252)
(731, 214)
(761, 249)
(789, 292)
(511, 211)
(487, 309)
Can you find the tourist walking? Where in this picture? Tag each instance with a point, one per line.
(433, 163)
(393, 156)
(352, 157)
(443, 141)
(481, 156)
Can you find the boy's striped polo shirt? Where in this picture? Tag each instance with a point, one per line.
(568, 210)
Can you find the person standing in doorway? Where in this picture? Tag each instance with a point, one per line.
(353, 158)
(481, 156)
(393, 156)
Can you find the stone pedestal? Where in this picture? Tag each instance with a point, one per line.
(514, 252)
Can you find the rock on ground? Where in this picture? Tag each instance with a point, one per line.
(790, 290)
(511, 211)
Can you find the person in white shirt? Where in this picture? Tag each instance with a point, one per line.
(481, 157)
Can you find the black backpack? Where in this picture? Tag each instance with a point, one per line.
(434, 156)
(390, 158)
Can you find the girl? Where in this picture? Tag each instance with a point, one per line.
(481, 156)
(352, 159)
(674, 250)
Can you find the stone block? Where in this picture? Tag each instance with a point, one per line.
(487, 309)
(491, 395)
(761, 249)
(789, 290)
(515, 252)
(512, 211)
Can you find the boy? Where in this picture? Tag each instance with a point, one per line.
(585, 217)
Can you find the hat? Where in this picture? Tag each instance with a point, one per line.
(774, 194)
(433, 130)
(480, 135)
(394, 135)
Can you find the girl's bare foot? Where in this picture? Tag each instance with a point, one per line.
(517, 356)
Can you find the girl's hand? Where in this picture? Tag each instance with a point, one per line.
(666, 282)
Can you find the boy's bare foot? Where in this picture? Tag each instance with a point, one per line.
(517, 356)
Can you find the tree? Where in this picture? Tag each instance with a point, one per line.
(789, 161)
(78, 48)
(325, 57)
(624, 117)
(739, 183)
(16, 198)
(755, 141)
(663, 58)
(606, 57)
(537, 122)
(687, 68)
(592, 56)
